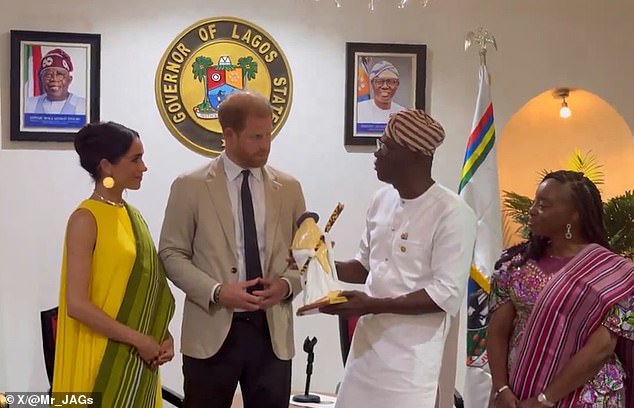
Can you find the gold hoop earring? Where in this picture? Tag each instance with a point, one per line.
(568, 234)
(108, 182)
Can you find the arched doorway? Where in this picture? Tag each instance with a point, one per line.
(536, 138)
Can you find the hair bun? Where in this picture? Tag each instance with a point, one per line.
(103, 140)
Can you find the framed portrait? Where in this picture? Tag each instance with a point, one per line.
(54, 87)
(381, 79)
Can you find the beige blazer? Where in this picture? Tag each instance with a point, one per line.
(198, 249)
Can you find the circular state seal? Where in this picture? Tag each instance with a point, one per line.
(205, 64)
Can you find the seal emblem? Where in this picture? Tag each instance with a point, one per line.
(205, 64)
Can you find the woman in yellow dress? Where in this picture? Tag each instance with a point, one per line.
(115, 303)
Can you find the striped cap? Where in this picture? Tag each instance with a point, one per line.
(415, 130)
(383, 69)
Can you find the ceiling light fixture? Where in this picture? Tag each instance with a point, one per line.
(564, 111)
(399, 4)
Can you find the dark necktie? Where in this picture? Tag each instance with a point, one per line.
(251, 250)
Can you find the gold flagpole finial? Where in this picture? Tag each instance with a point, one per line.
(482, 38)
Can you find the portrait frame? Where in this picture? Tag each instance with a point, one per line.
(35, 117)
(364, 119)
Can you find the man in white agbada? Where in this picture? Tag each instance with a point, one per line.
(384, 80)
(414, 259)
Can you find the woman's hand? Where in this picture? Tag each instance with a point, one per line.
(148, 348)
(530, 403)
(166, 352)
(506, 399)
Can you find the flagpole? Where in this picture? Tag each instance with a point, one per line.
(482, 38)
(479, 188)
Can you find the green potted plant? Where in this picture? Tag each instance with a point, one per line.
(619, 210)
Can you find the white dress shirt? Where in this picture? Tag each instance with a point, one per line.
(233, 174)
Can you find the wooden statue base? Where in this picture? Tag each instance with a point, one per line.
(333, 298)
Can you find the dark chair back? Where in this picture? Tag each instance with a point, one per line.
(48, 319)
(346, 330)
(172, 397)
(49, 335)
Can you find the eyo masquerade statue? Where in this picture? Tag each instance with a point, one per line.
(313, 254)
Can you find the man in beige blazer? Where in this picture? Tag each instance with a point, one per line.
(229, 253)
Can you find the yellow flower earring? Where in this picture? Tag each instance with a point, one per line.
(108, 182)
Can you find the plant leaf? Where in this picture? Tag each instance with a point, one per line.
(588, 164)
(619, 223)
(517, 206)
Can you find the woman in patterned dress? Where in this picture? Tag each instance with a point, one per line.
(560, 303)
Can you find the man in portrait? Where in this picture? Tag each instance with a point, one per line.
(55, 74)
(384, 79)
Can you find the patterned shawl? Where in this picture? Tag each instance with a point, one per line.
(124, 379)
(570, 307)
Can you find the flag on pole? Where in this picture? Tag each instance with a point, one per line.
(479, 188)
(32, 58)
(363, 80)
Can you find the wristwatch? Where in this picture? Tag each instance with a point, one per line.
(541, 398)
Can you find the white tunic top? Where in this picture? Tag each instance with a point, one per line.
(73, 105)
(368, 112)
(408, 245)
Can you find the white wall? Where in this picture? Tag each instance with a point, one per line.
(543, 44)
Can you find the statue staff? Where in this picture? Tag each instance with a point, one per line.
(333, 217)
